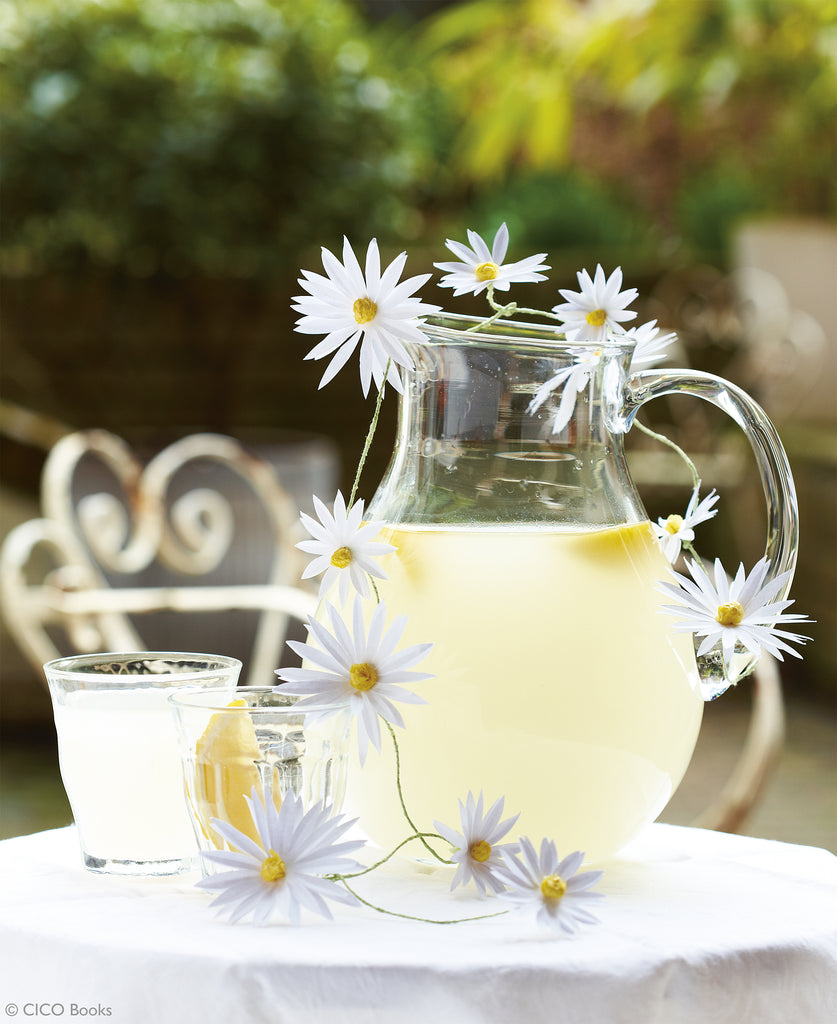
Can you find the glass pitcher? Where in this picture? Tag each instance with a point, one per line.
(528, 558)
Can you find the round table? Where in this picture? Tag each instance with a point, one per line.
(697, 926)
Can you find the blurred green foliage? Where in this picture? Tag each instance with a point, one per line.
(709, 203)
(571, 215)
(224, 138)
(211, 137)
(672, 101)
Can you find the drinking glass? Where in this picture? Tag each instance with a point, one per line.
(117, 747)
(259, 741)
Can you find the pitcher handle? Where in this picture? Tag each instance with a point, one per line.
(774, 470)
(772, 462)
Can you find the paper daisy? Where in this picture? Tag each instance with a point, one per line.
(650, 344)
(574, 380)
(344, 547)
(357, 670)
(282, 873)
(348, 305)
(599, 307)
(742, 611)
(555, 888)
(476, 848)
(672, 531)
(480, 266)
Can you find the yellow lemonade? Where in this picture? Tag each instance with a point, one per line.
(558, 684)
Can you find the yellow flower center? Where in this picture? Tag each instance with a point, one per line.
(480, 851)
(596, 318)
(553, 887)
(363, 677)
(486, 271)
(364, 310)
(673, 523)
(273, 867)
(341, 558)
(730, 614)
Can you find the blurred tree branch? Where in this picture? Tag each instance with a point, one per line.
(654, 91)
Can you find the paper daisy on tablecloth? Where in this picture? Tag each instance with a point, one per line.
(476, 847)
(480, 266)
(554, 887)
(344, 547)
(357, 670)
(598, 308)
(673, 530)
(348, 305)
(282, 873)
(739, 611)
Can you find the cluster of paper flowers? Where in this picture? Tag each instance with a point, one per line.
(303, 857)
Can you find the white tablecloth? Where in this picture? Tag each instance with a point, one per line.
(697, 927)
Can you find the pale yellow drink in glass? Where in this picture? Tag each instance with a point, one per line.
(121, 769)
(558, 684)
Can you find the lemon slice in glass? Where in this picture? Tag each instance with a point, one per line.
(226, 770)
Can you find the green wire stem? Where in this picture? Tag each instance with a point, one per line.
(392, 853)
(413, 917)
(410, 821)
(369, 435)
(675, 447)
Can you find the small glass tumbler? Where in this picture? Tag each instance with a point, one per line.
(258, 740)
(120, 764)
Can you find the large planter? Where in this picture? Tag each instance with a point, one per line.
(786, 273)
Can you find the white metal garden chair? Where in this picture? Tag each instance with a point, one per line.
(82, 577)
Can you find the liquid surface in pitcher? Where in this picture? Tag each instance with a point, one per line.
(558, 684)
